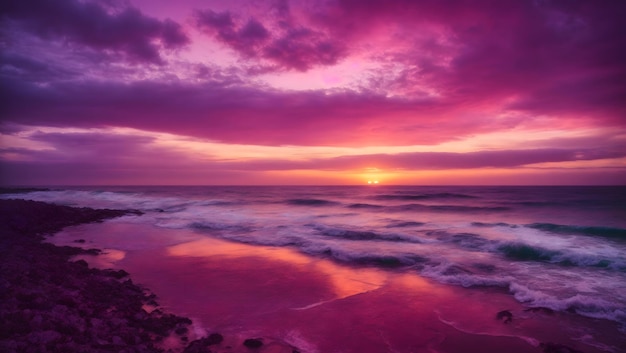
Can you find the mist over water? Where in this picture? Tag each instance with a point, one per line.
(562, 248)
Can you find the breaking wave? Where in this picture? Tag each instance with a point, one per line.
(501, 237)
(607, 232)
(366, 258)
(441, 195)
(447, 208)
(349, 234)
(525, 252)
(584, 304)
(310, 202)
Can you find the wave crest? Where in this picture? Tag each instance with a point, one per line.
(310, 202)
(430, 196)
(349, 234)
(607, 232)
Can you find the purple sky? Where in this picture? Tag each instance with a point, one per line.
(312, 92)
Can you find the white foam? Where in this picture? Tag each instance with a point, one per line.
(585, 304)
(295, 339)
(592, 283)
(532, 341)
(438, 273)
(591, 341)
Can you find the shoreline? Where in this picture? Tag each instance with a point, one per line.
(48, 302)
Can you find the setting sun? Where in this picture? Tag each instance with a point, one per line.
(234, 140)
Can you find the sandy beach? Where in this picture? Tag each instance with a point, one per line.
(234, 297)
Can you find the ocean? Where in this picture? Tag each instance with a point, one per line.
(556, 247)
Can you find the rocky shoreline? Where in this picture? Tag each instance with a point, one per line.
(52, 304)
(49, 303)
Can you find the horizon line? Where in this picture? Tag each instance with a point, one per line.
(34, 186)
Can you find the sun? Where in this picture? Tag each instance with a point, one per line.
(372, 182)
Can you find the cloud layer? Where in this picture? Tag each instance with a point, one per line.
(397, 73)
(287, 46)
(121, 30)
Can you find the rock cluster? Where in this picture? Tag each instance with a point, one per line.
(202, 345)
(51, 304)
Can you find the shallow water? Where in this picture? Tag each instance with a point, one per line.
(319, 305)
(296, 253)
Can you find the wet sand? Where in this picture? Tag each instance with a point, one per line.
(294, 302)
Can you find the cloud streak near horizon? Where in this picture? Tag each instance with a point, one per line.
(298, 92)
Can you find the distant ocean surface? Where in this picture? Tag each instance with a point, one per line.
(558, 247)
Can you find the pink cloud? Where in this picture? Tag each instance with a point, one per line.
(560, 58)
(114, 150)
(289, 46)
(242, 115)
(438, 71)
(555, 57)
(421, 161)
(100, 158)
(105, 158)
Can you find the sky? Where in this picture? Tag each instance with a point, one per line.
(254, 92)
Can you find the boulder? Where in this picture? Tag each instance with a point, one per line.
(505, 316)
(253, 343)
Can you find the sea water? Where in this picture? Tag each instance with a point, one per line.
(562, 248)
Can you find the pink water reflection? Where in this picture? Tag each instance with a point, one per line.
(319, 305)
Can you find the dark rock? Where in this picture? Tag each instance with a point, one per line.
(198, 346)
(52, 304)
(44, 337)
(117, 340)
(215, 338)
(505, 316)
(79, 241)
(119, 274)
(557, 348)
(14, 324)
(92, 251)
(66, 301)
(33, 217)
(253, 343)
(26, 298)
(162, 324)
(201, 345)
(82, 263)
